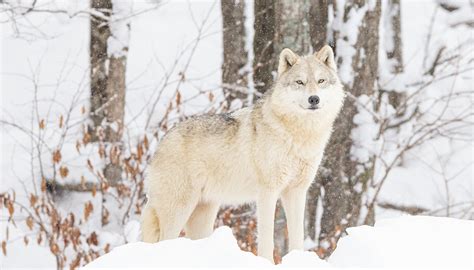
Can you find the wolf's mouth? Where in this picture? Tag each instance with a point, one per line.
(311, 108)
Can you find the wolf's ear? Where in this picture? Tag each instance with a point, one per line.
(326, 55)
(287, 60)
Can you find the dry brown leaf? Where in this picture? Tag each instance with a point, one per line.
(178, 98)
(61, 121)
(10, 207)
(29, 222)
(107, 248)
(63, 171)
(139, 151)
(57, 156)
(78, 146)
(94, 190)
(42, 124)
(4, 248)
(40, 238)
(145, 142)
(54, 248)
(93, 239)
(87, 138)
(88, 208)
(33, 199)
(43, 185)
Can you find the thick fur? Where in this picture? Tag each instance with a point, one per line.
(269, 151)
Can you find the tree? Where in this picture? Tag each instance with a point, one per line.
(342, 177)
(318, 21)
(109, 36)
(318, 31)
(263, 44)
(234, 77)
(393, 30)
(292, 26)
(393, 48)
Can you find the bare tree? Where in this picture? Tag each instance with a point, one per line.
(108, 58)
(263, 44)
(394, 45)
(339, 174)
(234, 78)
(318, 21)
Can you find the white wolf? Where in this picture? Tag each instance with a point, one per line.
(261, 153)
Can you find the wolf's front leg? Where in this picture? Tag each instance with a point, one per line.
(294, 201)
(266, 203)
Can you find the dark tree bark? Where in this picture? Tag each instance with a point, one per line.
(99, 34)
(394, 52)
(318, 21)
(339, 175)
(234, 77)
(263, 45)
(107, 76)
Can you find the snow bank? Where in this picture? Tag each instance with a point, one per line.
(401, 242)
(431, 242)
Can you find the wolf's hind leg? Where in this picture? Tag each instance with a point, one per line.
(173, 217)
(150, 225)
(201, 222)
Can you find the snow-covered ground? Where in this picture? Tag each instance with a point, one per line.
(404, 242)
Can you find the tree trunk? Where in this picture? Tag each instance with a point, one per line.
(99, 34)
(234, 77)
(318, 22)
(317, 19)
(108, 57)
(292, 27)
(263, 45)
(393, 45)
(341, 177)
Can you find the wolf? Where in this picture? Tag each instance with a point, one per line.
(261, 153)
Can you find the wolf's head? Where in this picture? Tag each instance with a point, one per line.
(308, 86)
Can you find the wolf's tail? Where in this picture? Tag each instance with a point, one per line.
(150, 225)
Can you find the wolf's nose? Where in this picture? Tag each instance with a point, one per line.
(313, 100)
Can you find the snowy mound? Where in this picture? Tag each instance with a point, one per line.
(406, 241)
(431, 242)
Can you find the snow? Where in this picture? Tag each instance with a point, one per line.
(182, 252)
(117, 44)
(409, 241)
(345, 50)
(43, 258)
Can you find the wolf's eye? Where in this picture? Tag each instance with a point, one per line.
(299, 82)
(321, 81)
